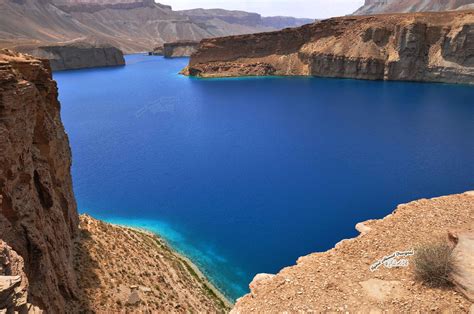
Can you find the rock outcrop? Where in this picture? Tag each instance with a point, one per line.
(405, 6)
(13, 280)
(344, 279)
(435, 47)
(77, 55)
(130, 25)
(38, 217)
(180, 49)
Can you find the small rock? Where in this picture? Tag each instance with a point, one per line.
(134, 298)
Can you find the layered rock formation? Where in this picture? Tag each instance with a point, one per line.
(180, 49)
(405, 6)
(130, 25)
(77, 55)
(344, 279)
(38, 217)
(435, 47)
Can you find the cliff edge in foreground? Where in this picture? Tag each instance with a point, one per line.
(38, 216)
(347, 279)
(434, 47)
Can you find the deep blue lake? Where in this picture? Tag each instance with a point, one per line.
(246, 175)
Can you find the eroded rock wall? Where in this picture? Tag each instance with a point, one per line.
(436, 47)
(38, 216)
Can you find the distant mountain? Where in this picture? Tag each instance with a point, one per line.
(131, 25)
(252, 20)
(405, 6)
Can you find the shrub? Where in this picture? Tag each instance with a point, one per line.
(434, 264)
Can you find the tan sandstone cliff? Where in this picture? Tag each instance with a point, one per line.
(341, 279)
(435, 47)
(38, 217)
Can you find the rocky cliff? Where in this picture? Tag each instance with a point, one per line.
(180, 49)
(130, 25)
(344, 279)
(77, 55)
(435, 47)
(405, 6)
(38, 217)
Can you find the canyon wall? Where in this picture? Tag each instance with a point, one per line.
(435, 47)
(38, 217)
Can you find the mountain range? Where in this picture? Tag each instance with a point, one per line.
(130, 25)
(406, 6)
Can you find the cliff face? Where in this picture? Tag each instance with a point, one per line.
(77, 55)
(180, 49)
(38, 217)
(405, 6)
(436, 47)
(342, 280)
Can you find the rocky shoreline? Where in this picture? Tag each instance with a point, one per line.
(431, 47)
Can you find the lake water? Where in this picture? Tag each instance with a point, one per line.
(246, 175)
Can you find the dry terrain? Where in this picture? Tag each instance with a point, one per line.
(121, 268)
(340, 280)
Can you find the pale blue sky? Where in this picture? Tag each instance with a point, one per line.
(296, 8)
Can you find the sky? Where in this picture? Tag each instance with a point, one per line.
(296, 8)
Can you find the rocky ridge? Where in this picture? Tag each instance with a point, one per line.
(406, 6)
(435, 47)
(343, 280)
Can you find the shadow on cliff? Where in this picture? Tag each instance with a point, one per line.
(86, 267)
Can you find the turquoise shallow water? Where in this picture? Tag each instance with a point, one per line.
(246, 175)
